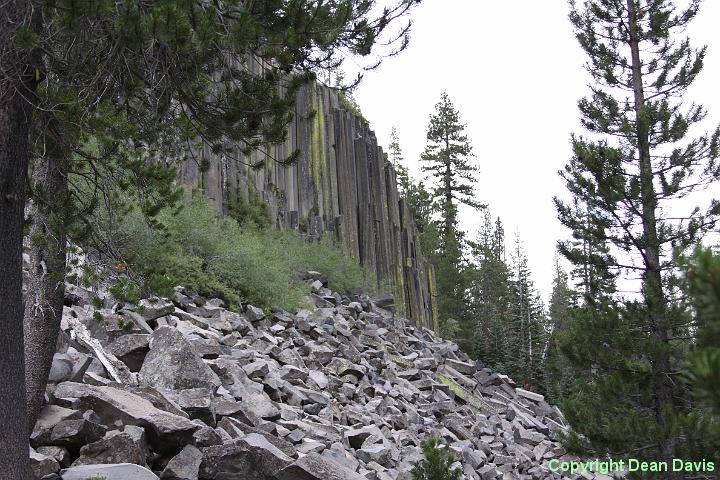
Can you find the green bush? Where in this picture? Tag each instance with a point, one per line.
(193, 247)
(437, 462)
(250, 212)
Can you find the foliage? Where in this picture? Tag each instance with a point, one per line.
(395, 156)
(348, 102)
(527, 336)
(702, 283)
(446, 158)
(251, 212)
(509, 322)
(559, 374)
(336, 78)
(629, 349)
(450, 328)
(214, 256)
(436, 464)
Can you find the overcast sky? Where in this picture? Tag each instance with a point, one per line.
(515, 72)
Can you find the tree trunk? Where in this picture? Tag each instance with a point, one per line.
(46, 285)
(17, 87)
(14, 119)
(652, 275)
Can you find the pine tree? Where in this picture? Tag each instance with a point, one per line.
(447, 159)
(526, 325)
(701, 284)
(559, 373)
(625, 185)
(490, 296)
(19, 78)
(436, 464)
(396, 159)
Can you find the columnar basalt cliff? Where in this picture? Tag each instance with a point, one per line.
(342, 186)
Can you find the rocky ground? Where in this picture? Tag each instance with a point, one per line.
(185, 389)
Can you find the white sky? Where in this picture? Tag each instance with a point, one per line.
(515, 72)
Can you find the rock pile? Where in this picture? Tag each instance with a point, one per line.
(185, 389)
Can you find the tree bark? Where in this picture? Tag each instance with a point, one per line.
(18, 80)
(46, 285)
(652, 276)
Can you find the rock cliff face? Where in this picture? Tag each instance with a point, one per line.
(342, 186)
(184, 389)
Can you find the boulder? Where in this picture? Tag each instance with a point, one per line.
(250, 458)
(42, 465)
(75, 433)
(183, 466)
(254, 314)
(131, 349)
(172, 363)
(315, 467)
(259, 405)
(126, 446)
(119, 471)
(61, 368)
(154, 307)
(198, 403)
(61, 454)
(50, 415)
(374, 453)
(165, 430)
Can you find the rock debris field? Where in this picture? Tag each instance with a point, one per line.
(185, 389)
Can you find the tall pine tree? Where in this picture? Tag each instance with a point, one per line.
(559, 374)
(447, 159)
(490, 296)
(526, 325)
(627, 186)
(396, 159)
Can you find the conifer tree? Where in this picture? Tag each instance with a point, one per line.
(18, 82)
(701, 284)
(627, 186)
(396, 159)
(436, 464)
(447, 159)
(490, 296)
(526, 325)
(559, 374)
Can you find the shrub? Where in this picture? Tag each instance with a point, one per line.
(215, 256)
(250, 212)
(437, 462)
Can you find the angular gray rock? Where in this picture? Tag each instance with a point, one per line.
(153, 308)
(122, 471)
(126, 446)
(131, 349)
(251, 458)
(172, 363)
(343, 391)
(316, 467)
(61, 454)
(75, 433)
(42, 465)
(165, 430)
(49, 417)
(183, 466)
